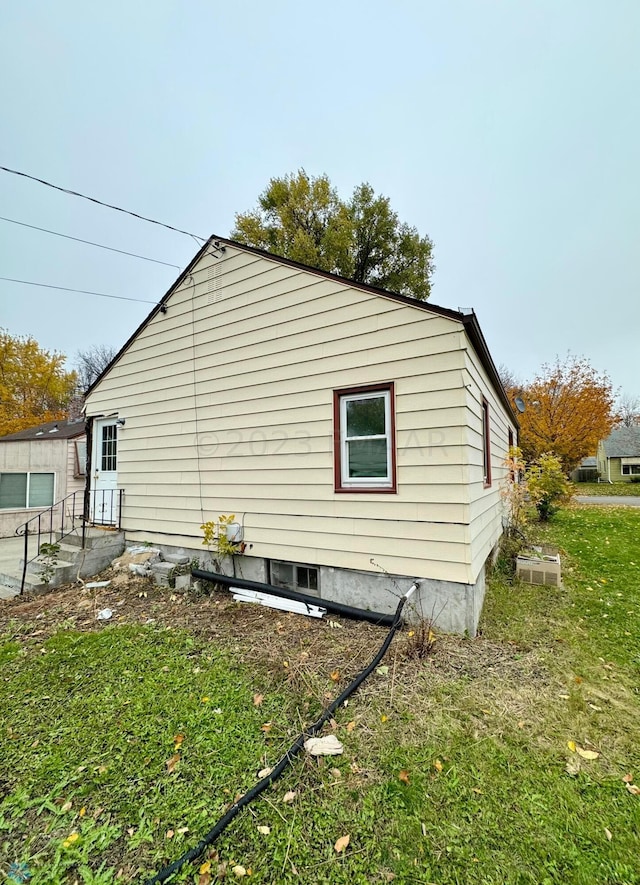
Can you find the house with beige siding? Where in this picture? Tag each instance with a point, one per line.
(357, 435)
(38, 467)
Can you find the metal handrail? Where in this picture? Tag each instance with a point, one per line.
(107, 496)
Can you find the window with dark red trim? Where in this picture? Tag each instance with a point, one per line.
(486, 444)
(364, 439)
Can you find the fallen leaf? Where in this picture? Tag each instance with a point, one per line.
(169, 834)
(476, 790)
(336, 772)
(172, 762)
(67, 806)
(587, 754)
(264, 830)
(257, 699)
(335, 676)
(205, 868)
(290, 796)
(82, 811)
(351, 725)
(183, 830)
(627, 779)
(437, 765)
(131, 831)
(635, 791)
(264, 772)
(404, 776)
(521, 723)
(239, 871)
(266, 727)
(572, 767)
(383, 671)
(178, 739)
(384, 718)
(608, 834)
(205, 700)
(204, 879)
(102, 769)
(572, 746)
(341, 843)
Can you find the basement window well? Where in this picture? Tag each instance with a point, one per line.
(292, 576)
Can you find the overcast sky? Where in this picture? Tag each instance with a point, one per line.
(508, 131)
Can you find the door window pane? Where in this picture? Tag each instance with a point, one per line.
(109, 447)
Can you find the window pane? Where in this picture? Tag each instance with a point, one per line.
(81, 457)
(368, 457)
(109, 445)
(307, 578)
(365, 417)
(13, 490)
(41, 490)
(282, 574)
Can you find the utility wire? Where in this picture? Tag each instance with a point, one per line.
(79, 291)
(56, 233)
(65, 190)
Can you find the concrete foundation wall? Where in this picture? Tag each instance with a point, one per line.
(452, 607)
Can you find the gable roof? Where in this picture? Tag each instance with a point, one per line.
(468, 319)
(624, 442)
(46, 432)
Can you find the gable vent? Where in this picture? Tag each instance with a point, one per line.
(213, 283)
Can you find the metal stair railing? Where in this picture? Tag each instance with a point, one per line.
(71, 513)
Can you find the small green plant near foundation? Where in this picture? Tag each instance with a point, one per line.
(216, 541)
(48, 559)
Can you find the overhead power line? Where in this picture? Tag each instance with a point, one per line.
(79, 291)
(65, 190)
(56, 233)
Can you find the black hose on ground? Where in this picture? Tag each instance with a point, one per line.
(286, 760)
(338, 608)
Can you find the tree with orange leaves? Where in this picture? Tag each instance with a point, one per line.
(569, 407)
(34, 386)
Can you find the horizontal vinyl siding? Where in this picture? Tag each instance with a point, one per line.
(486, 509)
(271, 344)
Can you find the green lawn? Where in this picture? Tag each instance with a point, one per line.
(460, 768)
(615, 489)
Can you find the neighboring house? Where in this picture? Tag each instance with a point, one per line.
(38, 467)
(357, 435)
(619, 455)
(586, 471)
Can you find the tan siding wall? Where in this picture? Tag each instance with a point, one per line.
(486, 508)
(36, 456)
(269, 344)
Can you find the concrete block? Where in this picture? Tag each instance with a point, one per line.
(161, 572)
(183, 582)
(176, 558)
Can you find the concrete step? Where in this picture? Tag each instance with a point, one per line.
(94, 538)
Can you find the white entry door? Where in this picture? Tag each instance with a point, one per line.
(105, 498)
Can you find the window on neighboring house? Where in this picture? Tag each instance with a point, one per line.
(292, 576)
(486, 444)
(364, 439)
(631, 469)
(81, 457)
(19, 491)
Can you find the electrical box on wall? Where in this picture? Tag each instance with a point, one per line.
(234, 533)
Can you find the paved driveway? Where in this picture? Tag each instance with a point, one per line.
(611, 500)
